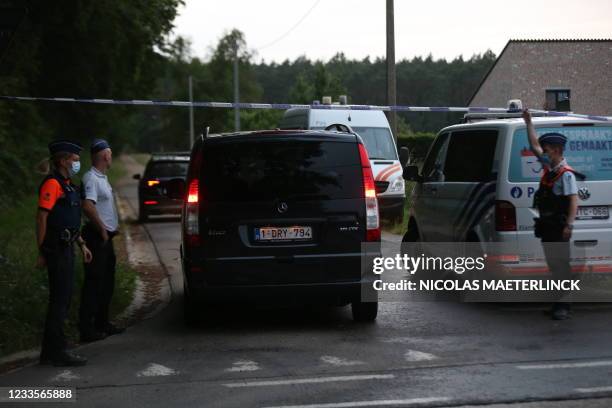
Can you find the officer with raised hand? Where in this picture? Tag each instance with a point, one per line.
(557, 203)
(103, 224)
(58, 222)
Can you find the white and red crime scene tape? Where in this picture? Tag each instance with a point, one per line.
(284, 106)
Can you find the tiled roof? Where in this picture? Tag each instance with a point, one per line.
(600, 40)
(562, 40)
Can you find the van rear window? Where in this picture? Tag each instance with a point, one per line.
(588, 150)
(270, 170)
(167, 169)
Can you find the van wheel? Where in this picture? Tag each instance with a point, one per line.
(364, 311)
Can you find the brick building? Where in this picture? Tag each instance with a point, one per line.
(562, 75)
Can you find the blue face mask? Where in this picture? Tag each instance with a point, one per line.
(75, 168)
(545, 159)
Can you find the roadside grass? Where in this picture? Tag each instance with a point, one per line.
(399, 228)
(24, 289)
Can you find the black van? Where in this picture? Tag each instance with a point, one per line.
(279, 216)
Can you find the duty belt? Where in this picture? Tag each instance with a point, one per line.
(68, 235)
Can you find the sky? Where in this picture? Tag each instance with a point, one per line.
(278, 30)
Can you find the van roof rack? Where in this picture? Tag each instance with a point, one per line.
(477, 117)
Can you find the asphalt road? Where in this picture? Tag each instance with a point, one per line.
(416, 354)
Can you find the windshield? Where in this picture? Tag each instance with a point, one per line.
(378, 141)
(588, 151)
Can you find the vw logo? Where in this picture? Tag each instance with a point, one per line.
(282, 207)
(584, 193)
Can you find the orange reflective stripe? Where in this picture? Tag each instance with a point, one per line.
(50, 191)
(561, 171)
(391, 172)
(382, 176)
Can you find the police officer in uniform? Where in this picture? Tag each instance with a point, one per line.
(57, 228)
(102, 225)
(557, 203)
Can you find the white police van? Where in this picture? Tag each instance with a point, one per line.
(375, 132)
(478, 181)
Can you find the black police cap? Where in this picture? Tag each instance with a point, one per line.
(67, 146)
(553, 138)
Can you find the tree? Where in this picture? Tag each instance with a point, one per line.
(79, 48)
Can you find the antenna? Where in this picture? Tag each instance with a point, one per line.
(204, 134)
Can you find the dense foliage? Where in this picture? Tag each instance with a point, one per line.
(121, 49)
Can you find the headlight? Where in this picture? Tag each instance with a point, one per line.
(397, 186)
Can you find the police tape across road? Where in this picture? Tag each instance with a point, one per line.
(285, 106)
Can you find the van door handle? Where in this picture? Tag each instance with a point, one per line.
(586, 243)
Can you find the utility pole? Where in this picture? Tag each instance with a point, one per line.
(191, 131)
(236, 90)
(391, 83)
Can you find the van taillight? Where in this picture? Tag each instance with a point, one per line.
(372, 216)
(191, 217)
(192, 192)
(505, 216)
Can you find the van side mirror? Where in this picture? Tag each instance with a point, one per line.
(411, 173)
(136, 176)
(175, 189)
(404, 155)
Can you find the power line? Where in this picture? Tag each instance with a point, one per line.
(292, 28)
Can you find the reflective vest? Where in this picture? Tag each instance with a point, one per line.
(553, 208)
(66, 213)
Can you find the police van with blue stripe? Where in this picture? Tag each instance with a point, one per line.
(478, 182)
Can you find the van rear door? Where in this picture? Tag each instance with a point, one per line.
(282, 209)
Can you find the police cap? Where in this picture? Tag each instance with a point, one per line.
(553, 138)
(98, 145)
(67, 146)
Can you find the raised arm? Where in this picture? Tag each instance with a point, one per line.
(531, 133)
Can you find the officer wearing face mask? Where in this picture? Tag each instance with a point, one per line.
(58, 221)
(557, 203)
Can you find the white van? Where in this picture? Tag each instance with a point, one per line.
(374, 129)
(478, 181)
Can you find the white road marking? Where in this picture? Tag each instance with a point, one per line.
(314, 380)
(378, 403)
(243, 365)
(65, 375)
(340, 362)
(156, 370)
(594, 389)
(415, 355)
(398, 340)
(587, 364)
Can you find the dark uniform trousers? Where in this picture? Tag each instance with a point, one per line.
(557, 253)
(60, 267)
(99, 282)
